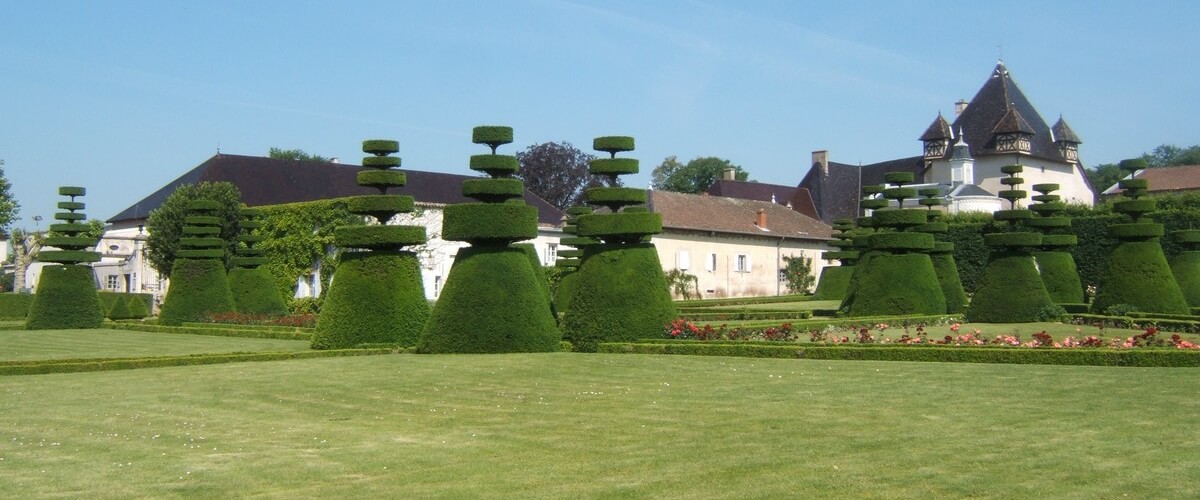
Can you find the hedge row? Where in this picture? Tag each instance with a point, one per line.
(742, 300)
(105, 364)
(1044, 356)
(213, 331)
(822, 323)
(709, 315)
(15, 305)
(1135, 323)
(266, 328)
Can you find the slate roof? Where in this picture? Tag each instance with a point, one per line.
(1165, 179)
(798, 197)
(1063, 132)
(696, 212)
(1001, 106)
(939, 129)
(268, 181)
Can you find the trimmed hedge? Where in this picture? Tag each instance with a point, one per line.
(198, 288)
(621, 295)
(376, 297)
(494, 164)
(380, 147)
(381, 162)
(1186, 269)
(254, 292)
(947, 276)
(708, 315)
(896, 284)
(108, 300)
(834, 282)
(613, 143)
(613, 166)
(105, 364)
(1060, 277)
(620, 226)
(15, 305)
(378, 237)
(493, 190)
(490, 305)
(1040, 356)
(381, 178)
(776, 299)
(539, 273)
(492, 135)
(1138, 275)
(489, 222)
(66, 298)
(1011, 291)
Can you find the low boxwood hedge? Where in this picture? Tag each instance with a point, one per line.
(733, 301)
(1143, 357)
(105, 364)
(15, 305)
(214, 329)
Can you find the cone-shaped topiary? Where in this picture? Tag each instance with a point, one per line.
(137, 308)
(493, 300)
(569, 260)
(1186, 265)
(120, 308)
(1011, 290)
(621, 293)
(835, 280)
(1054, 259)
(543, 282)
(899, 277)
(1137, 273)
(942, 253)
(66, 294)
(199, 283)
(376, 295)
(861, 239)
(253, 287)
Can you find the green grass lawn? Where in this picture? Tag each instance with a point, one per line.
(575, 425)
(21, 345)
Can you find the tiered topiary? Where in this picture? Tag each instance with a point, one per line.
(539, 273)
(861, 238)
(492, 301)
(1011, 290)
(1054, 259)
(1137, 274)
(621, 293)
(900, 278)
(253, 287)
(942, 253)
(66, 294)
(570, 260)
(835, 280)
(1186, 265)
(376, 295)
(199, 284)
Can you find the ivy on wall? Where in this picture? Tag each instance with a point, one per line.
(297, 236)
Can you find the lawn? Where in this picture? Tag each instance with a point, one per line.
(576, 425)
(22, 345)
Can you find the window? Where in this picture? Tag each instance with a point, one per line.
(551, 254)
(710, 265)
(742, 265)
(111, 282)
(437, 285)
(683, 260)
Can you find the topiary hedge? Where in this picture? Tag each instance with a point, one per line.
(1011, 290)
(494, 300)
(376, 295)
(1186, 265)
(15, 305)
(199, 288)
(66, 294)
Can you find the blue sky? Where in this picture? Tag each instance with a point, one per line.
(123, 96)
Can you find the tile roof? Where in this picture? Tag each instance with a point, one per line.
(1063, 132)
(268, 181)
(1166, 179)
(735, 216)
(939, 129)
(1000, 105)
(799, 198)
(836, 192)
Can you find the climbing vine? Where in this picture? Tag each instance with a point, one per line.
(299, 236)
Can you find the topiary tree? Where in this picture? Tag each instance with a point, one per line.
(942, 253)
(835, 280)
(1054, 260)
(1186, 265)
(861, 237)
(66, 293)
(621, 293)
(570, 260)
(1011, 290)
(376, 294)
(199, 285)
(253, 287)
(493, 300)
(899, 278)
(1137, 273)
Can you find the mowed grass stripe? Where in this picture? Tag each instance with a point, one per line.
(575, 425)
(101, 343)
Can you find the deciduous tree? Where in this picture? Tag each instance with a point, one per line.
(294, 154)
(557, 172)
(8, 205)
(694, 177)
(165, 223)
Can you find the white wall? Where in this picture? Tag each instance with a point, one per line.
(1072, 185)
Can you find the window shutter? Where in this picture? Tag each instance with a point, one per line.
(711, 264)
(749, 266)
(683, 260)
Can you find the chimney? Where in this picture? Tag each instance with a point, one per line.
(959, 107)
(821, 158)
(762, 219)
(729, 174)
(335, 160)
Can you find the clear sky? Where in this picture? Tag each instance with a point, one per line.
(123, 96)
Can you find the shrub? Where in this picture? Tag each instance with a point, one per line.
(66, 298)
(1060, 276)
(1011, 291)
(1137, 274)
(621, 294)
(254, 292)
(15, 305)
(834, 282)
(897, 284)
(199, 287)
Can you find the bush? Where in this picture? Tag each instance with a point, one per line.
(376, 297)
(15, 305)
(621, 294)
(1138, 274)
(199, 287)
(1011, 291)
(119, 309)
(1060, 277)
(66, 298)
(1186, 269)
(834, 282)
(896, 284)
(109, 300)
(543, 283)
(254, 292)
(490, 305)
(947, 276)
